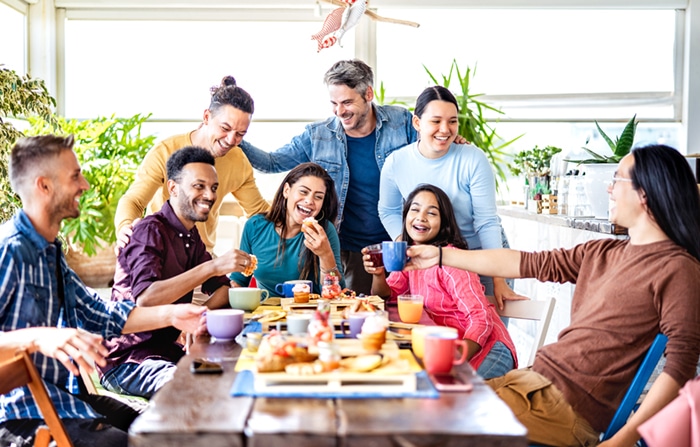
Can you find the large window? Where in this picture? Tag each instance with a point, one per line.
(12, 39)
(542, 64)
(167, 67)
(551, 71)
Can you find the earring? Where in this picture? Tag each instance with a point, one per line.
(321, 216)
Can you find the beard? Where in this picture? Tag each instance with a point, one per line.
(64, 208)
(189, 211)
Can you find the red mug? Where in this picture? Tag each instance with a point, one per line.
(439, 352)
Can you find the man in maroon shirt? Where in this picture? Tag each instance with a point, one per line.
(626, 292)
(163, 263)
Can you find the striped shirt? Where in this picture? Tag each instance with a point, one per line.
(455, 298)
(29, 298)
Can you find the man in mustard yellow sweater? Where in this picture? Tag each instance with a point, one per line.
(225, 123)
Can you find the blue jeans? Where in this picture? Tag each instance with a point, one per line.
(497, 362)
(139, 379)
(83, 433)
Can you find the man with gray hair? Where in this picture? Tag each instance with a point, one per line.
(352, 147)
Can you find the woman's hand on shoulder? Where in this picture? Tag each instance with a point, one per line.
(459, 139)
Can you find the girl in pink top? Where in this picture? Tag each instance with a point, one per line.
(453, 297)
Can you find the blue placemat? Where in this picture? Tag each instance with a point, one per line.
(243, 386)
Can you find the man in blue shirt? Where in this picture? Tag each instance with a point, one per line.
(162, 264)
(40, 293)
(351, 146)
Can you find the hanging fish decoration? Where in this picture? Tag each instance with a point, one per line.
(341, 20)
(351, 16)
(330, 25)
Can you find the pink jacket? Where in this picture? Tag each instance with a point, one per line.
(455, 298)
(678, 423)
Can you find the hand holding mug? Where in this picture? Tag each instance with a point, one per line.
(373, 260)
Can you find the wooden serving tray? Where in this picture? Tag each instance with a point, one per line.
(399, 374)
(336, 305)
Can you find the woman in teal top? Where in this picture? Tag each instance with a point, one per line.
(286, 242)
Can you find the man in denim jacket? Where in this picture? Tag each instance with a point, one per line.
(352, 146)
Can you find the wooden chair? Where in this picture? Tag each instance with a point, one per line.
(20, 371)
(536, 310)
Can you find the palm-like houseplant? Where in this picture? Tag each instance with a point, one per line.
(599, 168)
(620, 147)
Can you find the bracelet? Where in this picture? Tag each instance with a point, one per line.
(332, 269)
(440, 256)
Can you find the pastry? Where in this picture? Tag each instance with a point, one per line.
(361, 363)
(250, 268)
(276, 353)
(301, 293)
(373, 333)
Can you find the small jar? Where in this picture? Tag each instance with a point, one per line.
(328, 355)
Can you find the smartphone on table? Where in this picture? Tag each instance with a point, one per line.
(204, 366)
(451, 382)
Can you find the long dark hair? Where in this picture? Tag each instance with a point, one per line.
(671, 193)
(449, 230)
(308, 261)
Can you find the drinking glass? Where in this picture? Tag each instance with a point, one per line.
(410, 308)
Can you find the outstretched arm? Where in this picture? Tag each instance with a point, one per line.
(168, 290)
(283, 159)
(186, 317)
(500, 262)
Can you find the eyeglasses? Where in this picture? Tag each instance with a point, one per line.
(619, 179)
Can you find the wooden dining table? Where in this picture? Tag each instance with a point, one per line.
(198, 410)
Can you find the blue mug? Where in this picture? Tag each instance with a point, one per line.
(394, 255)
(285, 289)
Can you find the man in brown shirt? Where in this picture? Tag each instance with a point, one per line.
(627, 291)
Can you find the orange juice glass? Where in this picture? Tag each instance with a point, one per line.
(410, 308)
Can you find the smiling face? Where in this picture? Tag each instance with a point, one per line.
(304, 199)
(68, 185)
(194, 195)
(353, 109)
(437, 126)
(423, 218)
(225, 129)
(627, 204)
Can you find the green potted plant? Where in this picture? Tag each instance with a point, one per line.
(109, 151)
(21, 96)
(599, 168)
(534, 165)
(619, 148)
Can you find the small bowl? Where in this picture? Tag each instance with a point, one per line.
(225, 324)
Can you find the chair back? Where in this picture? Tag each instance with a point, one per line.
(629, 402)
(536, 310)
(20, 371)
